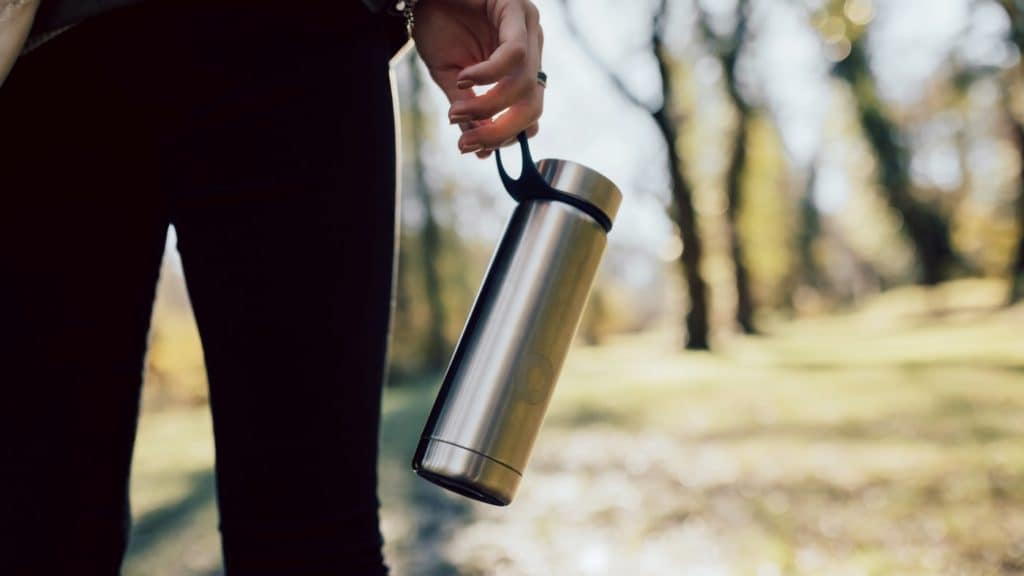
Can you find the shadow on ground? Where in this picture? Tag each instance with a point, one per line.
(148, 530)
(839, 446)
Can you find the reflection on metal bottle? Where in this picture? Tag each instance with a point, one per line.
(482, 427)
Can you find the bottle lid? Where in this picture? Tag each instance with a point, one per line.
(582, 182)
(563, 181)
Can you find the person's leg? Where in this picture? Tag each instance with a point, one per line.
(285, 215)
(81, 236)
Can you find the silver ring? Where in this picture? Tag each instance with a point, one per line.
(542, 79)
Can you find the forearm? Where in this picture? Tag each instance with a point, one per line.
(15, 23)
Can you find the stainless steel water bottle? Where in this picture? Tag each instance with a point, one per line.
(482, 427)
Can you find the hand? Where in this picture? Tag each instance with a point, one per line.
(467, 43)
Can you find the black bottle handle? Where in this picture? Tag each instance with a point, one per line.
(531, 186)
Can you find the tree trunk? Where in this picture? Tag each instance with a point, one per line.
(682, 211)
(728, 51)
(1017, 271)
(734, 192)
(435, 345)
(810, 229)
(697, 326)
(926, 228)
(697, 322)
(1017, 268)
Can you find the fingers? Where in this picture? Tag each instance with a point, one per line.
(514, 46)
(454, 95)
(467, 126)
(516, 101)
(531, 131)
(490, 103)
(502, 130)
(504, 61)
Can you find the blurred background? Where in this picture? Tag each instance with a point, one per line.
(803, 354)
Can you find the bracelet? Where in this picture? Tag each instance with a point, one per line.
(408, 8)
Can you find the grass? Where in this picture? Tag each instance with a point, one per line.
(886, 441)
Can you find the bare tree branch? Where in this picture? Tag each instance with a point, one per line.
(682, 210)
(661, 57)
(588, 50)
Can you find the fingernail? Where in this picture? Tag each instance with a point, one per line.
(464, 84)
(459, 119)
(470, 148)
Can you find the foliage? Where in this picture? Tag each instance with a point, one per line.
(767, 221)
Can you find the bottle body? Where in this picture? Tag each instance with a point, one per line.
(492, 402)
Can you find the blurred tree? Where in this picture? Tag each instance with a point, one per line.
(682, 210)
(1017, 269)
(728, 49)
(768, 222)
(400, 360)
(435, 344)
(594, 327)
(1015, 11)
(808, 232)
(927, 229)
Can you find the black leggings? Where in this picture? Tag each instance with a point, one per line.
(263, 131)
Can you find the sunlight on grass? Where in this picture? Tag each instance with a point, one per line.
(172, 446)
(887, 441)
